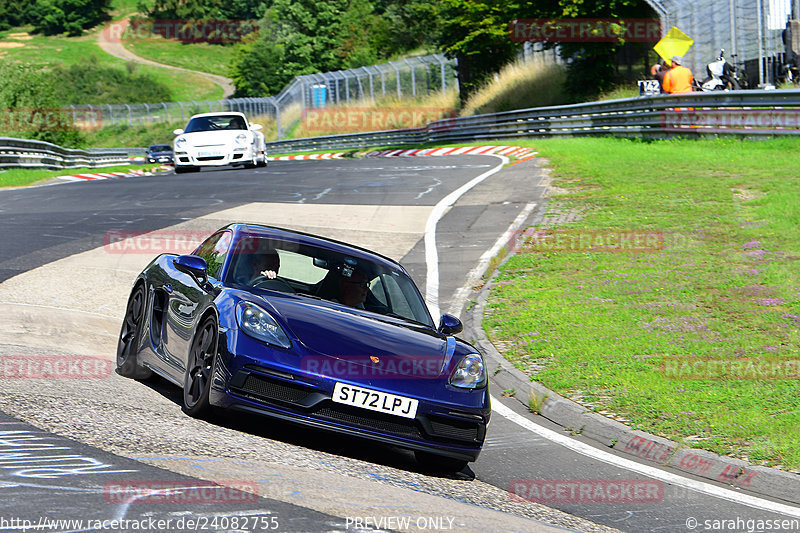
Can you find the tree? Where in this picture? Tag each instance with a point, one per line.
(296, 37)
(476, 35)
(52, 17)
(12, 13)
(591, 67)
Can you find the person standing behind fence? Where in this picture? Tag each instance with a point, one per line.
(678, 79)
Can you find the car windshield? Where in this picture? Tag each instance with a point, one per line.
(314, 272)
(160, 148)
(216, 122)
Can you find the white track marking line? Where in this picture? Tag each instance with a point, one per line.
(650, 471)
(475, 274)
(431, 254)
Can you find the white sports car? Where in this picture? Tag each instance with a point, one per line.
(218, 139)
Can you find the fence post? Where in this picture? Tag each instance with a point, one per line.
(413, 78)
(397, 71)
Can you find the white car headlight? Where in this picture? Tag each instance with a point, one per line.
(241, 138)
(180, 142)
(259, 324)
(470, 373)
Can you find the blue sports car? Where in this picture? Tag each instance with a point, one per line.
(312, 331)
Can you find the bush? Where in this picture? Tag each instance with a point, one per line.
(53, 17)
(31, 108)
(92, 83)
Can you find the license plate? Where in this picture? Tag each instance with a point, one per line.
(373, 400)
(209, 154)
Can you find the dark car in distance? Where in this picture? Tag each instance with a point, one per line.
(160, 153)
(316, 332)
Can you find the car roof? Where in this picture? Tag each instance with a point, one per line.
(218, 114)
(283, 234)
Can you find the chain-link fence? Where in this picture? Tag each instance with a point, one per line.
(397, 80)
(750, 31)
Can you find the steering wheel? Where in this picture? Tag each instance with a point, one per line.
(273, 284)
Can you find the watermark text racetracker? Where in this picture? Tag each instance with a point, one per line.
(739, 368)
(589, 240)
(50, 119)
(355, 119)
(54, 367)
(550, 491)
(181, 492)
(585, 30)
(184, 30)
(153, 242)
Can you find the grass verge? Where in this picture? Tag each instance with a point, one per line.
(204, 57)
(723, 287)
(22, 177)
(42, 50)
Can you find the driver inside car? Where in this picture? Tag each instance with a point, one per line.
(265, 265)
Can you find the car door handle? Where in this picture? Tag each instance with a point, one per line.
(168, 288)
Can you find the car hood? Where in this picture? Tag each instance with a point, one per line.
(200, 138)
(333, 331)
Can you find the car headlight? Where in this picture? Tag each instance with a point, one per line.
(470, 373)
(180, 142)
(259, 324)
(241, 138)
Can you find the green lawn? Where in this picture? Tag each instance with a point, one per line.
(205, 57)
(21, 177)
(40, 49)
(600, 326)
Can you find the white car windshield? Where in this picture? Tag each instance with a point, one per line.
(216, 122)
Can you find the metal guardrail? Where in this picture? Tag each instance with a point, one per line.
(734, 113)
(23, 153)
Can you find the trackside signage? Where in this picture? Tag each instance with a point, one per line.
(585, 30)
(586, 490)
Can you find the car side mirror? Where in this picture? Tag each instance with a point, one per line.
(177, 132)
(256, 127)
(193, 265)
(450, 325)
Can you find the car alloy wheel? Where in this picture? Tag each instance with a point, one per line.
(200, 370)
(127, 364)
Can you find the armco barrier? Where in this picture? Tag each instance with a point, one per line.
(735, 113)
(23, 153)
